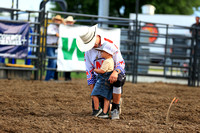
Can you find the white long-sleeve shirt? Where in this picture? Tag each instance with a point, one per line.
(94, 60)
(52, 29)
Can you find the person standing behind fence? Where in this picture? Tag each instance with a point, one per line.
(68, 21)
(195, 28)
(195, 25)
(52, 39)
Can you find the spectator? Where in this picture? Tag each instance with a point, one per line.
(87, 41)
(68, 21)
(195, 25)
(195, 28)
(52, 39)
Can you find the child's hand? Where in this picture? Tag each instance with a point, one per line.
(99, 71)
(95, 70)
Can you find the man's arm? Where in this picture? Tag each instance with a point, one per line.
(192, 28)
(119, 67)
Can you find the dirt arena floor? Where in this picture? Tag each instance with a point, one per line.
(52, 107)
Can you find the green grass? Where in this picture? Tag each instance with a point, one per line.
(78, 75)
(74, 75)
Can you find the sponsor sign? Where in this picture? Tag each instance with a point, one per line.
(14, 39)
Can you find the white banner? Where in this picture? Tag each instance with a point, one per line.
(70, 58)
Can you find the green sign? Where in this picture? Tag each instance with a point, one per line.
(69, 53)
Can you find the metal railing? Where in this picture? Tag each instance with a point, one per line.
(176, 56)
(133, 48)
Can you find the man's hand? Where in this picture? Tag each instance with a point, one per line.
(113, 77)
(57, 34)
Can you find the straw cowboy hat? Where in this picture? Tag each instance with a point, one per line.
(86, 40)
(70, 19)
(57, 17)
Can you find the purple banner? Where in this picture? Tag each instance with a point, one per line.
(14, 38)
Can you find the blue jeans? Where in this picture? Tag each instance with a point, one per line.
(51, 63)
(103, 87)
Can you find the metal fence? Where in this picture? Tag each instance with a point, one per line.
(175, 57)
(172, 53)
(149, 49)
(16, 15)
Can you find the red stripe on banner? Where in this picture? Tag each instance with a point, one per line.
(108, 40)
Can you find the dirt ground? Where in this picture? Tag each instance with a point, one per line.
(39, 106)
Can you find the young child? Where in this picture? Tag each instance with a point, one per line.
(103, 87)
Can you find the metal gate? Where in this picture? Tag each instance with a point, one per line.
(16, 15)
(176, 57)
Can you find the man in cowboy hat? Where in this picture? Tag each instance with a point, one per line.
(68, 21)
(87, 41)
(52, 39)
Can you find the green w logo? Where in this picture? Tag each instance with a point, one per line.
(69, 53)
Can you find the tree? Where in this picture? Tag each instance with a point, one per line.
(122, 8)
(184, 7)
(80, 6)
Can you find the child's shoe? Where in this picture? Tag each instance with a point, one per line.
(103, 115)
(97, 112)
